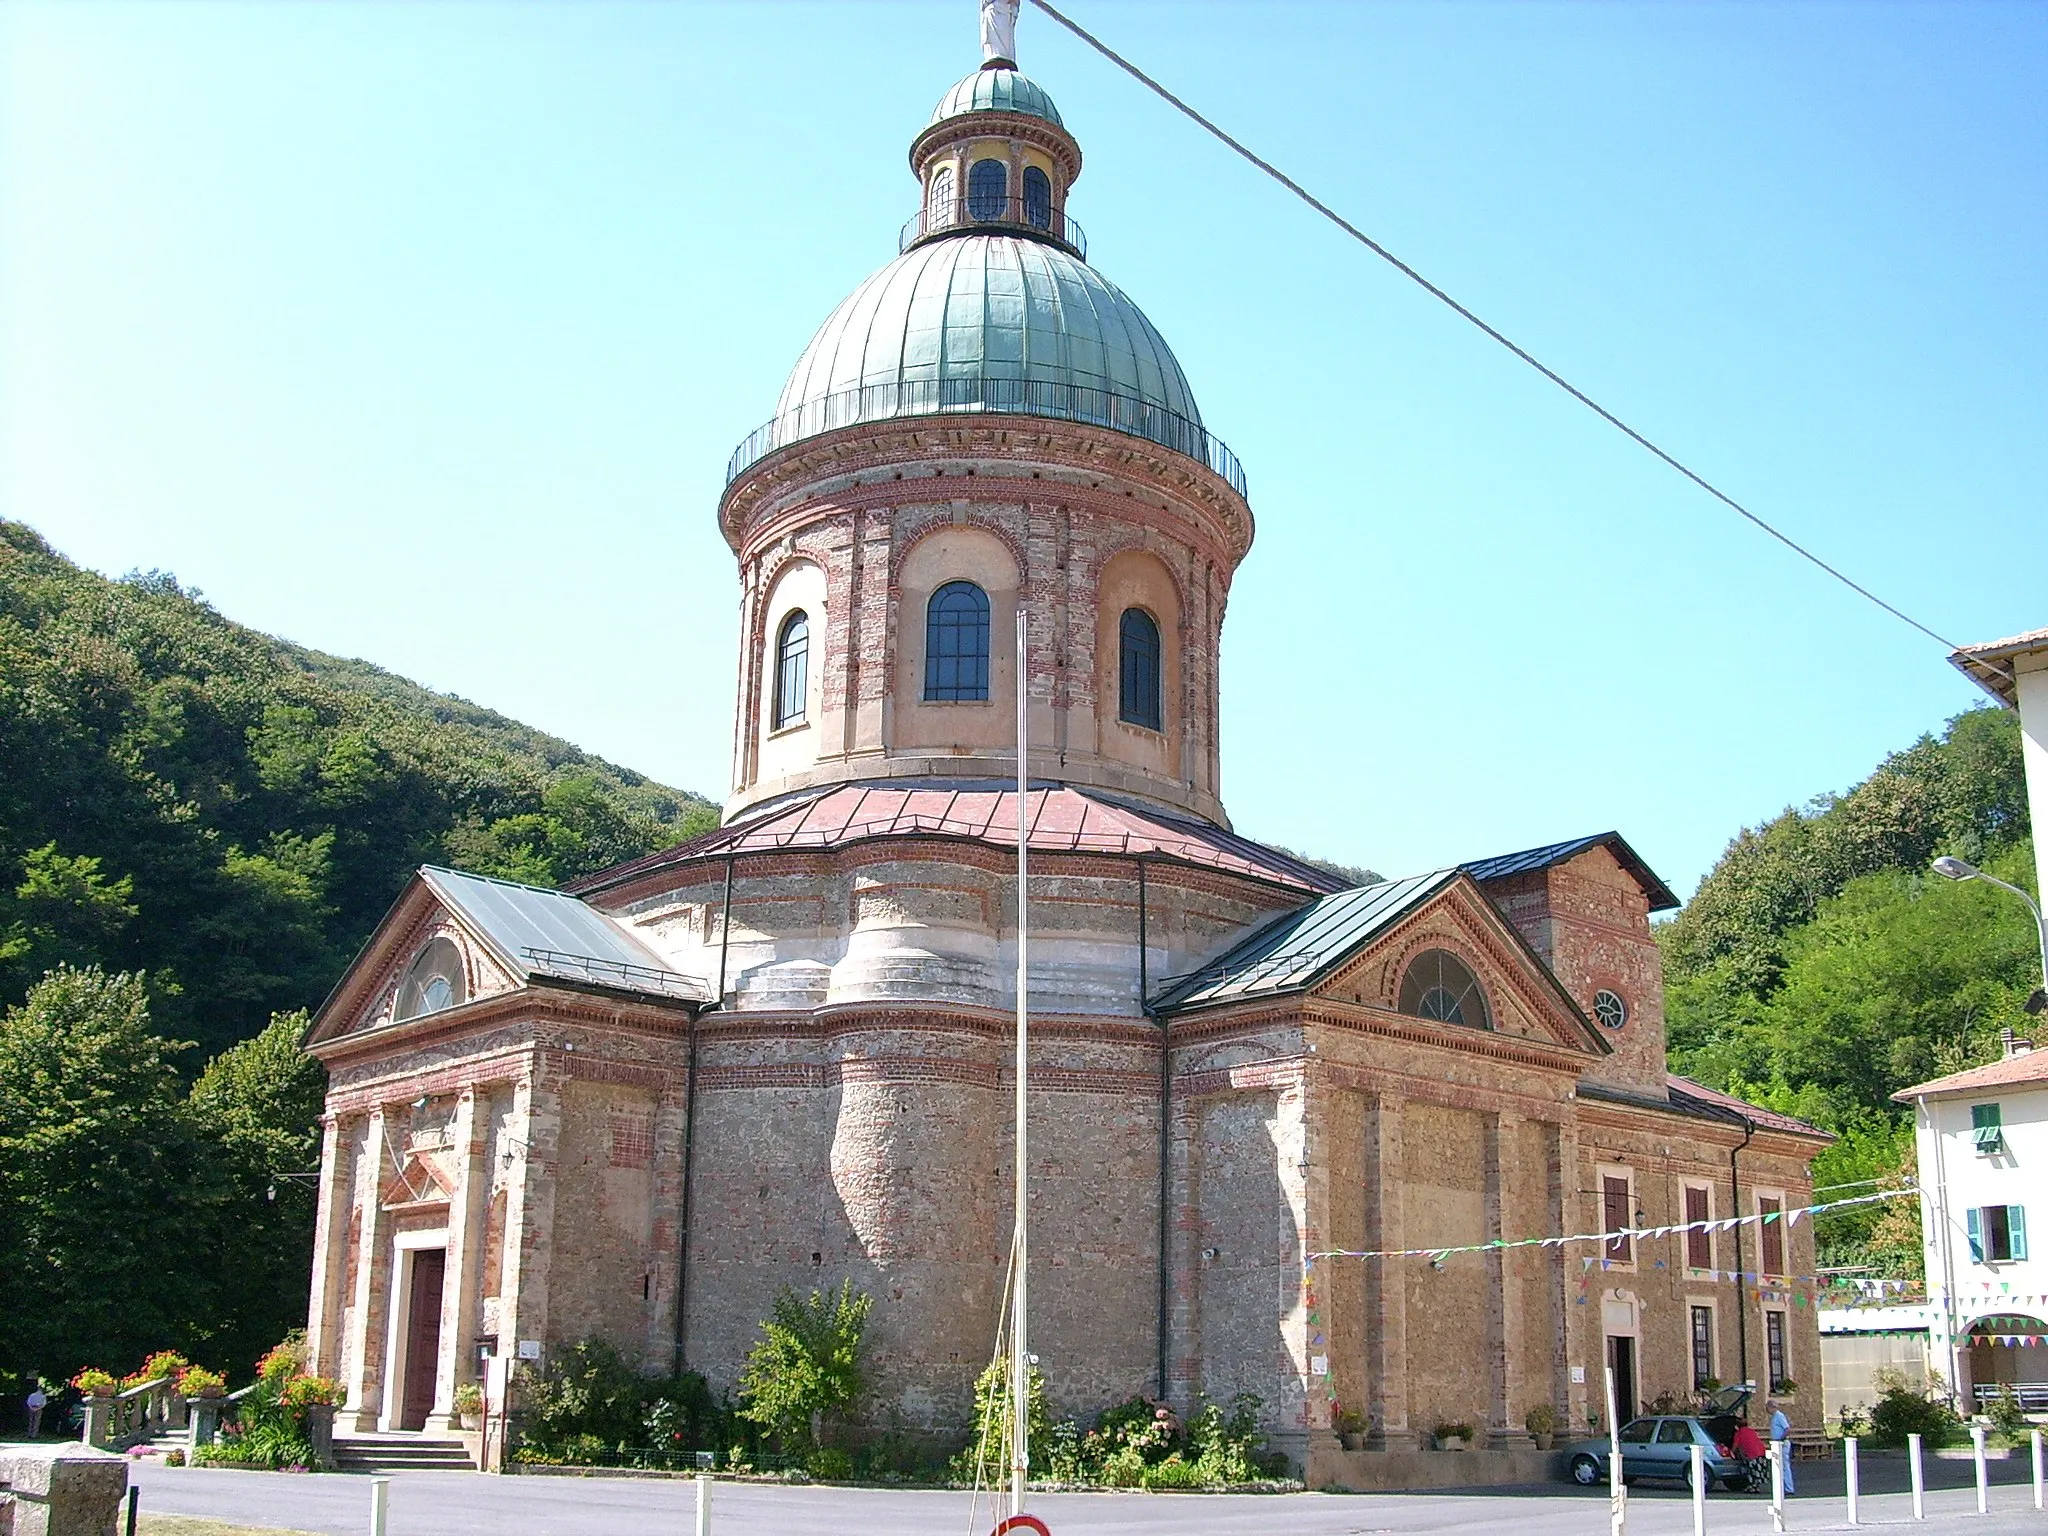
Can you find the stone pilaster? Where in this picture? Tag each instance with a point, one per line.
(461, 1285)
(330, 1250)
(1499, 1347)
(1584, 1343)
(366, 1344)
(533, 1133)
(1386, 1289)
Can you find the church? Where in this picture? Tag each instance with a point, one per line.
(780, 1054)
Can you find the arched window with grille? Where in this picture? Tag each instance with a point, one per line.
(1037, 198)
(988, 186)
(1138, 680)
(1438, 985)
(939, 204)
(956, 643)
(792, 669)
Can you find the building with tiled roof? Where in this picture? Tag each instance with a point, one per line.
(779, 1055)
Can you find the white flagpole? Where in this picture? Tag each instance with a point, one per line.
(1020, 1355)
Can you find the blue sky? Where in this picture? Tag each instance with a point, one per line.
(423, 333)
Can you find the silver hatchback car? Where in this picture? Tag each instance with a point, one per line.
(1657, 1446)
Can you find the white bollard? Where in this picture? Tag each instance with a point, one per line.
(1983, 1472)
(1918, 1473)
(1699, 1490)
(703, 1504)
(380, 1500)
(1778, 1484)
(1849, 1468)
(2037, 1469)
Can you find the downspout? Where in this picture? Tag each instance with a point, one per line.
(690, 1121)
(1735, 1197)
(1165, 1107)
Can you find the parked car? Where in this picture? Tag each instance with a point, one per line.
(1657, 1446)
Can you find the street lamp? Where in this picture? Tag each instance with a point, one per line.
(1956, 869)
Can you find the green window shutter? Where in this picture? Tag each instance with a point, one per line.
(1976, 1234)
(2016, 1220)
(1987, 1128)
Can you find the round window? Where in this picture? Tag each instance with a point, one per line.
(1609, 1009)
(434, 982)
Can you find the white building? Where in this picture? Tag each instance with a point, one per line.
(1982, 1140)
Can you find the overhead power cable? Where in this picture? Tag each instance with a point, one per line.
(1435, 292)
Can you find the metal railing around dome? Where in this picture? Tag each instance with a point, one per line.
(977, 395)
(996, 215)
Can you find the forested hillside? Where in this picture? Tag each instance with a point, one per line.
(1820, 967)
(228, 815)
(199, 825)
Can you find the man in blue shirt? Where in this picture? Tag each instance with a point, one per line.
(1781, 1432)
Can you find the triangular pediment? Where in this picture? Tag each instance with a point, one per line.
(1522, 998)
(367, 995)
(419, 1181)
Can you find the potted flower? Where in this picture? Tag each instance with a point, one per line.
(198, 1381)
(1453, 1437)
(469, 1405)
(94, 1382)
(1350, 1426)
(1541, 1422)
(313, 1399)
(164, 1365)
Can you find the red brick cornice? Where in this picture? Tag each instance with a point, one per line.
(757, 503)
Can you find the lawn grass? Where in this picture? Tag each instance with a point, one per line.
(147, 1524)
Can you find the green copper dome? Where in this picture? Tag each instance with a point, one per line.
(990, 323)
(997, 90)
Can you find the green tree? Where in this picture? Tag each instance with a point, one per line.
(806, 1364)
(256, 1108)
(104, 1191)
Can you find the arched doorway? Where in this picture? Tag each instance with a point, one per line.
(2007, 1352)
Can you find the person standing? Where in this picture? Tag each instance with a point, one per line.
(1781, 1433)
(38, 1400)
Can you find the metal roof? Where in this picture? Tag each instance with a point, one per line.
(1502, 865)
(1291, 952)
(549, 934)
(993, 88)
(1062, 819)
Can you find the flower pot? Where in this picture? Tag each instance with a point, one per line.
(1452, 1443)
(1542, 1438)
(1351, 1440)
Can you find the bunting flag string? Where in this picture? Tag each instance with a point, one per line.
(1722, 1224)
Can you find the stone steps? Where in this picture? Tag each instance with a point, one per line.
(400, 1453)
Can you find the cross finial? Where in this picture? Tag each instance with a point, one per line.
(999, 33)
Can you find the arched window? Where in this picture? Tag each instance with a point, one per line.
(433, 982)
(1138, 689)
(1037, 197)
(938, 205)
(1441, 986)
(988, 186)
(792, 669)
(956, 643)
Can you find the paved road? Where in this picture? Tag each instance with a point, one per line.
(469, 1504)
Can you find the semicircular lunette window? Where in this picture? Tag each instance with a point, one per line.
(1438, 985)
(434, 982)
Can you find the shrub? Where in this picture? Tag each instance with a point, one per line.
(1453, 1431)
(174, 1458)
(94, 1382)
(986, 1458)
(592, 1407)
(2007, 1416)
(1900, 1411)
(829, 1464)
(469, 1399)
(806, 1364)
(1540, 1420)
(1174, 1472)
